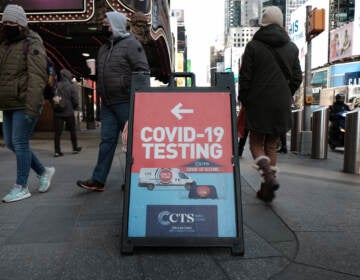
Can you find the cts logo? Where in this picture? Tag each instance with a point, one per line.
(167, 218)
(181, 220)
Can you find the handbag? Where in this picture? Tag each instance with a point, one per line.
(241, 122)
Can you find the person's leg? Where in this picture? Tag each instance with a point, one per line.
(7, 129)
(58, 128)
(242, 142)
(17, 131)
(283, 146)
(70, 124)
(256, 141)
(270, 145)
(113, 119)
(20, 143)
(259, 147)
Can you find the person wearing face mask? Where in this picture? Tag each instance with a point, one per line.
(116, 60)
(22, 81)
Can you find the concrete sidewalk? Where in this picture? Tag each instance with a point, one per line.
(310, 231)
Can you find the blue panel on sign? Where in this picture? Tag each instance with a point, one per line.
(181, 221)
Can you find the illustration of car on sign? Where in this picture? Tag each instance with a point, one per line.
(151, 177)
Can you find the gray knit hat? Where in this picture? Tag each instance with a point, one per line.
(15, 13)
(272, 15)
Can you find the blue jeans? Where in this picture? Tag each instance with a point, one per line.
(113, 119)
(17, 131)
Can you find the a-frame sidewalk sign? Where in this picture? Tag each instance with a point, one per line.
(182, 178)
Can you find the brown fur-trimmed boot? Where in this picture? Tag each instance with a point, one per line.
(269, 183)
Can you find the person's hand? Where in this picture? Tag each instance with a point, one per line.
(29, 118)
(56, 99)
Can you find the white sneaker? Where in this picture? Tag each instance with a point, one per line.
(17, 193)
(45, 179)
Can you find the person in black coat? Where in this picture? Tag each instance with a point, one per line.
(117, 59)
(67, 91)
(266, 93)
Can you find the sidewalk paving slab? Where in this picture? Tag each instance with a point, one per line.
(310, 231)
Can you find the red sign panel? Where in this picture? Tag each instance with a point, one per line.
(191, 132)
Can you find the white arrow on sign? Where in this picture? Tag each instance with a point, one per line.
(177, 111)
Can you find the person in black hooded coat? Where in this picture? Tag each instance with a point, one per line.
(71, 101)
(266, 93)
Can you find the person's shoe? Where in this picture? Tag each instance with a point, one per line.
(265, 194)
(282, 150)
(45, 179)
(17, 193)
(91, 185)
(59, 154)
(76, 150)
(269, 182)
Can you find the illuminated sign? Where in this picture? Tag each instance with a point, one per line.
(130, 5)
(45, 5)
(55, 10)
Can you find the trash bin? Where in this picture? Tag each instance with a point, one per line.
(352, 142)
(319, 127)
(296, 128)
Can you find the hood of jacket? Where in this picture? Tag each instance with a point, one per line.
(65, 75)
(273, 35)
(118, 24)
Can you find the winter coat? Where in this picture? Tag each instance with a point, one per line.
(69, 92)
(263, 88)
(116, 61)
(23, 75)
(335, 108)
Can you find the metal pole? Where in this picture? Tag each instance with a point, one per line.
(308, 88)
(306, 134)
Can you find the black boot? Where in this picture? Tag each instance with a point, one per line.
(282, 150)
(270, 184)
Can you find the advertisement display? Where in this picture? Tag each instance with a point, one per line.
(345, 74)
(297, 34)
(174, 155)
(341, 42)
(182, 181)
(356, 28)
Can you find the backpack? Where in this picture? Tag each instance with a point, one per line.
(51, 85)
(58, 102)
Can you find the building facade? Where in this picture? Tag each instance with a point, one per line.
(240, 36)
(291, 6)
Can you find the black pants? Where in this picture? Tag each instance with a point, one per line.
(283, 141)
(59, 126)
(242, 142)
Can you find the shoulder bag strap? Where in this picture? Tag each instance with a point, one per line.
(279, 61)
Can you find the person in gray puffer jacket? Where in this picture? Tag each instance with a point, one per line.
(266, 91)
(68, 91)
(116, 60)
